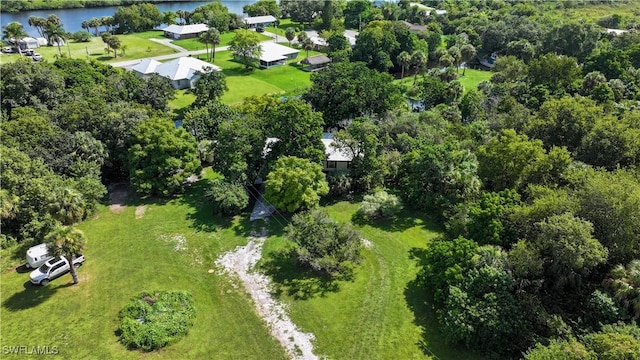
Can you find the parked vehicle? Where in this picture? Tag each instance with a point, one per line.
(260, 29)
(27, 52)
(36, 57)
(7, 49)
(52, 269)
(37, 255)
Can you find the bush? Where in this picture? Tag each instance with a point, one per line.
(81, 36)
(323, 244)
(340, 183)
(153, 320)
(380, 205)
(227, 198)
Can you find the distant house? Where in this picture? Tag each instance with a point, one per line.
(319, 43)
(616, 31)
(259, 21)
(414, 27)
(274, 54)
(337, 159)
(183, 71)
(31, 43)
(316, 62)
(184, 31)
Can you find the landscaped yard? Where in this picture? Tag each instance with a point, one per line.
(138, 46)
(469, 81)
(225, 38)
(171, 245)
(284, 24)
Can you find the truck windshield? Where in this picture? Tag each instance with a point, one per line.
(44, 268)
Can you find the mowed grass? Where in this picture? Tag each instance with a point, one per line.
(469, 80)
(225, 39)
(284, 24)
(378, 314)
(138, 46)
(125, 256)
(286, 80)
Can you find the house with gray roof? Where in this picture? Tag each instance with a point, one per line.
(184, 31)
(259, 21)
(274, 54)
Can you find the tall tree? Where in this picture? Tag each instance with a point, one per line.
(419, 60)
(211, 36)
(245, 46)
(39, 23)
(68, 206)
(290, 33)
(467, 51)
(295, 183)
(14, 32)
(68, 242)
(209, 87)
(404, 59)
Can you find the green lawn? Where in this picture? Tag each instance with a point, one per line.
(284, 24)
(469, 81)
(225, 39)
(125, 256)
(138, 46)
(287, 80)
(380, 313)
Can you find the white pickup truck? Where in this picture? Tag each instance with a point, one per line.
(53, 268)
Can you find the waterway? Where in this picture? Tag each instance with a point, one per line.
(72, 18)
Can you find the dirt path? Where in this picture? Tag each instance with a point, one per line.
(118, 194)
(241, 262)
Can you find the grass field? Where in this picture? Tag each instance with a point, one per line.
(225, 38)
(284, 24)
(378, 314)
(138, 46)
(469, 81)
(126, 255)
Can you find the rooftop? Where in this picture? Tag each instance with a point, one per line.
(186, 29)
(274, 52)
(176, 69)
(259, 20)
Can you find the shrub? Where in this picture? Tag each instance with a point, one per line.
(81, 36)
(227, 198)
(153, 320)
(323, 244)
(340, 183)
(380, 205)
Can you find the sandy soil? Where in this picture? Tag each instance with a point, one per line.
(241, 262)
(140, 210)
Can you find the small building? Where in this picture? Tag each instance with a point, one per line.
(259, 21)
(184, 31)
(30, 43)
(337, 159)
(316, 62)
(415, 27)
(183, 72)
(616, 31)
(274, 54)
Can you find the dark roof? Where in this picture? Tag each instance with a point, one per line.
(415, 27)
(316, 60)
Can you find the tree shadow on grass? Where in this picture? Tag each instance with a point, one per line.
(419, 298)
(404, 220)
(31, 296)
(293, 280)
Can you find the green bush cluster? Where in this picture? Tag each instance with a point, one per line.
(380, 205)
(153, 320)
(227, 198)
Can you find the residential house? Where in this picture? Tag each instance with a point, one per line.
(183, 72)
(184, 31)
(316, 62)
(337, 158)
(274, 54)
(415, 27)
(259, 21)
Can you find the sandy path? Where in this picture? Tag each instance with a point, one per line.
(241, 262)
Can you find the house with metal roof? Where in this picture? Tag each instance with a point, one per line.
(260, 21)
(184, 31)
(274, 54)
(337, 158)
(183, 72)
(316, 62)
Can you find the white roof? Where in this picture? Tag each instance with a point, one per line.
(352, 40)
(336, 154)
(186, 29)
(259, 20)
(273, 51)
(183, 68)
(318, 41)
(146, 66)
(617, 31)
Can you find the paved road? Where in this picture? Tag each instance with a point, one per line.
(182, 52)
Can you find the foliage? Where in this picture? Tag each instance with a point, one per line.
(615, 342)
(349, 90)
(209, 87)
(263, 7)
(322, 243)
(227, 198)
(565, 350)
(81, 36)
(624, 283)
(161, 157)
(205, 120)
(380, 205)
(68, 242)
(25, 83)
(245, 46)
(155, 319)
(137, 18)
(214, 14)
(295, 183)
(302, 11)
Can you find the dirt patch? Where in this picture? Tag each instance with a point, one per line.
(367, 243)
(118, 194)
(241, 262)
(140, 210)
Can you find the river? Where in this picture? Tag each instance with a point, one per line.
(73, 18)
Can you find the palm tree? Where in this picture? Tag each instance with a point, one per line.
(456, 54)
(290, 33)
(85, 25)
(66, 241)
(68, 206)
(14, 32)
(8, 204)
(467, 51)
(419, 60)
(302, 36)
(625, 283)
(203, 38)
(124, 49)
(39, 23)
(214, 37)
(308, 44)
(55, 32)
(95, 23)
(404, 59)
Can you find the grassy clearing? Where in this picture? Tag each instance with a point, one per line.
(469, 81)
(379, 313)
(284, 24)
(138, 46)
(592, 12)
(287, 80)
(127, 255)
(225, 39)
